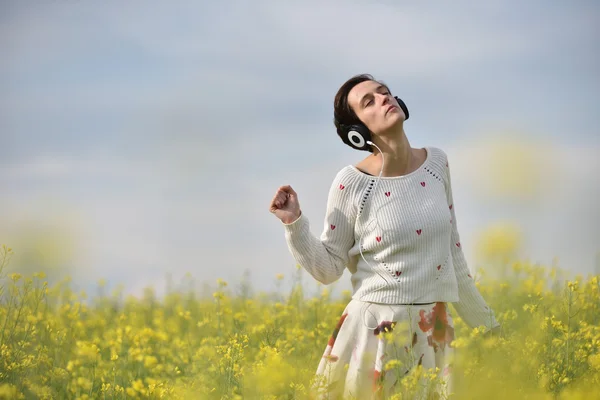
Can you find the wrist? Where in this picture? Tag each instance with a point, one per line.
(292, 219)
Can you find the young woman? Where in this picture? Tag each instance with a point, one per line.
(391, 222)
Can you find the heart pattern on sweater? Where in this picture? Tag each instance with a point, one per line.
(418, 231)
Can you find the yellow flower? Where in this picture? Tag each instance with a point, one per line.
(221, 282)
(594, 361)
(219, 295)
(185, 345)
(573, 285)
(392, 364)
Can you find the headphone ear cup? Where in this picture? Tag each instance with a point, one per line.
(402, 106)
(357, 136)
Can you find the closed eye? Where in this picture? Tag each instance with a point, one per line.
(381, 90)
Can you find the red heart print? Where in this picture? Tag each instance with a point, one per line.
(342, 187)
(451, 206)
(438, 267)
(332, 227)
(423, 184)
(398, 273)
(387, 194)
(418, 231)
(450, 220)
(378, 238)
(457, 244)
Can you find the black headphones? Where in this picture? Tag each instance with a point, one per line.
(357, 135)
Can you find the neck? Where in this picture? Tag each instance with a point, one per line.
(398, 154)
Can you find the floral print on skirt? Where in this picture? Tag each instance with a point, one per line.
(374, 346)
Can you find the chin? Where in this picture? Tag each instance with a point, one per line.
(396, 119)
(400, 115)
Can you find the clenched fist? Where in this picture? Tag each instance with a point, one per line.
(285, 204)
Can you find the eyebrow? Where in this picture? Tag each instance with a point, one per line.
(361, 102)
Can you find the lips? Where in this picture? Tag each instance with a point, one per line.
(390, 108)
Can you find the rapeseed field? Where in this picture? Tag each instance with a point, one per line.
(58, 344)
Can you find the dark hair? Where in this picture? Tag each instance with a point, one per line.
(342, 112)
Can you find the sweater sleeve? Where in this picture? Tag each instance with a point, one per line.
(471, 307)
(325, 258)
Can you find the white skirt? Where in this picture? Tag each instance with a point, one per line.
(374, 346)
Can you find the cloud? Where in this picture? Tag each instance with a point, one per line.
(167, 128)
(559, 219)
(202, 59)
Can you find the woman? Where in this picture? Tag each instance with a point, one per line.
(391, 222)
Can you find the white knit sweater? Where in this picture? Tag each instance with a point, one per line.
(409, 238)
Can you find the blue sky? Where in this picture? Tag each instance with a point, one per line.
(147, 138)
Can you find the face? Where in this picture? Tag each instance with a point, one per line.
(375, 106)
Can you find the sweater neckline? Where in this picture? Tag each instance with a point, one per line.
(398, 177)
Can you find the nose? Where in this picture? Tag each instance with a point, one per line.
(386, 99)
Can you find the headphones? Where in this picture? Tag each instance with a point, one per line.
(358, 135)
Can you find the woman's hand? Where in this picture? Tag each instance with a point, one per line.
(285, 204)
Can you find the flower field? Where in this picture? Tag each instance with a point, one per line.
(58, 344)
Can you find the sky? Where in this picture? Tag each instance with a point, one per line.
(142, 141)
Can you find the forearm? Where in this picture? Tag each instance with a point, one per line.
(324, 259)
